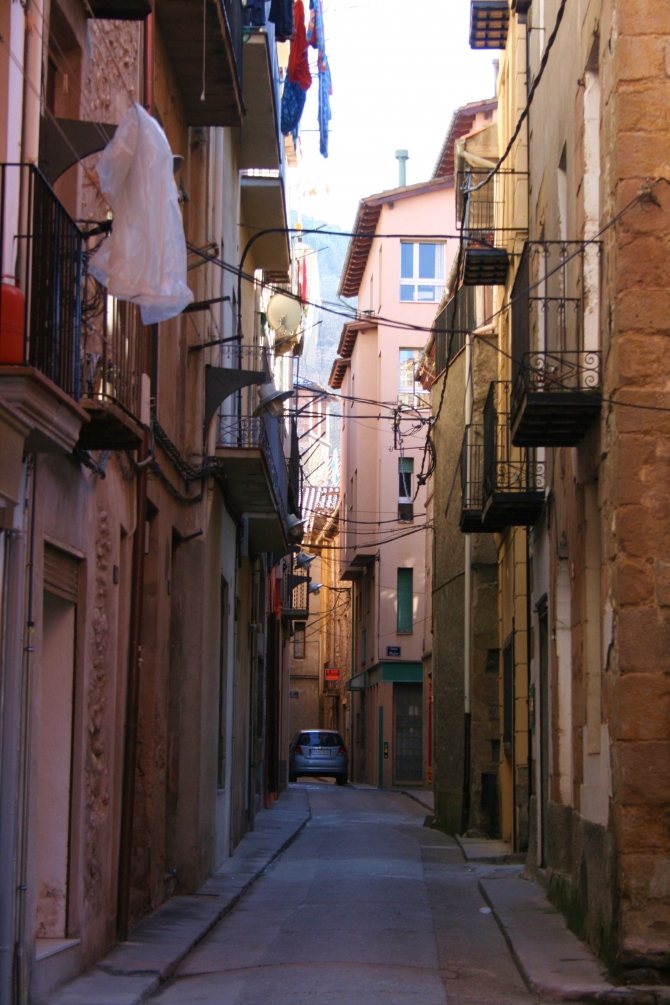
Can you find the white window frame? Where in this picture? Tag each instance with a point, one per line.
(437, 283)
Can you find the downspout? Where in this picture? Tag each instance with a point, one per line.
(25, 761)
(467, 602)
(9, 764)
(135, 626)
(148, 55)
(32, 92)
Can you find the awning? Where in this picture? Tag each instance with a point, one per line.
(396, 672)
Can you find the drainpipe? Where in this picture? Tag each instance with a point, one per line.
(33, 83)
(467, 617)
(149, 64)
(9, 764)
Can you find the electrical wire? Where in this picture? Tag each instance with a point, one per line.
(526, 110)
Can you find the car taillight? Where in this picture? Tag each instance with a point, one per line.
(298, 750)
(343, 750)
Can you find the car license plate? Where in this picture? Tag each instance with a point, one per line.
(321, 753)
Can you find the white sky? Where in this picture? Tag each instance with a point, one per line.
(399, 70)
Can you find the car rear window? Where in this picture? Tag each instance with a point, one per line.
(319, 740)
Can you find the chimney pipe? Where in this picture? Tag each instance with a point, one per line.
(402, 157)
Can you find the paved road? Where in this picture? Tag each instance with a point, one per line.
(366, 907)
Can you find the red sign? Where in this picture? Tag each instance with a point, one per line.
(332, 673)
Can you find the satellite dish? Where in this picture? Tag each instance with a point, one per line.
(284, 313)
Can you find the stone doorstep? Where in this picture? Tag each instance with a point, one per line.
(488, 851)
(135, 969)
(553, 962)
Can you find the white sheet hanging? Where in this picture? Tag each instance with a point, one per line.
(144, 258)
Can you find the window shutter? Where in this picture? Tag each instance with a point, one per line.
(61, 573)
(405, 598)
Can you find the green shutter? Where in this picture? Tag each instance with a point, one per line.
(405, 597)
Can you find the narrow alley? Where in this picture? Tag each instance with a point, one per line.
(366, 905)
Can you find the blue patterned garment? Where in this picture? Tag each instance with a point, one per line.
(324, 105)
(292, 105)
(317, 39)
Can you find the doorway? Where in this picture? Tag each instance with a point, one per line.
(408, 732)
(54, 774)
(545, 731)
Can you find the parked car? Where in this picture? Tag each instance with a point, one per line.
(318, 752)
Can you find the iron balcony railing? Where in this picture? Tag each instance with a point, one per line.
(112, 349)
(262, 432)
(294, 468)
(472, 471)
(508, 470)
(452, 324)
(295, 590)
(482, 203)
(41, 255)
(555, 327)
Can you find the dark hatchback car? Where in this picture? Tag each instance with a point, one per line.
(318, 752)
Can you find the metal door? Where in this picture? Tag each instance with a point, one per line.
(408, 732)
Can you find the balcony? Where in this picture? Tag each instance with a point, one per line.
(472, 483)
(211, 87)
(514, 480)
(261, 141)
(556, 392)
(452, 324)
(489, 22)
(41, 248)
(119, 10)
(294, 591)
(480, 204)
(252, 459)
(113, 381)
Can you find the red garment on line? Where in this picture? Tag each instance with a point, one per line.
(298, 64)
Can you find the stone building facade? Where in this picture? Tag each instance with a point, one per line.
(577, 414)
(144, 672)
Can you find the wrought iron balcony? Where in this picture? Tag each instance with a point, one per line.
(119, 10)
(451, 325)
(480, 203)
(556, 387)
(41, 259)
(472, 483)
(251, 451)
(113, 365)
(514, 478)
(295, 591)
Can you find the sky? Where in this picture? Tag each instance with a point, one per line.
(399, 70)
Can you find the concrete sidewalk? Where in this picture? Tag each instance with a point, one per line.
(134, 969)
(554, 963)
(488, 850)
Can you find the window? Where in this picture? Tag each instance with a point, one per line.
(405, 492)
(410, 391)
(421, 271)
(405, 601)
(364, 645)
(299, 640)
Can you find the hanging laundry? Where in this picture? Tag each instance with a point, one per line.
(281, 15)
(254, 14)
(298, 63)
(316, 38)
(292, 105)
